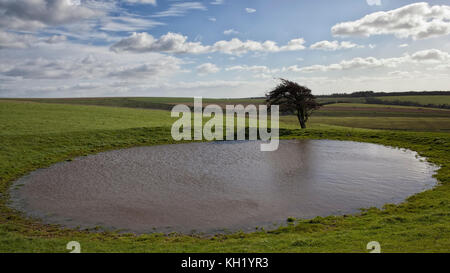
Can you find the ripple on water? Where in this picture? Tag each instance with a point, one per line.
(212, 186)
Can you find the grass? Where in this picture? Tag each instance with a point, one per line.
(163, 103)
(55, 118)
(388, 123)
(341, 100)
(36, 135)
(434, 99)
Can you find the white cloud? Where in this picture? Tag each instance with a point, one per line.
(217, 2)
(403, 45)
(250, 10)
(212, 19)
(170, 42)
(430, 55)
(152, 2)
(334, 45)
(41, 68)
(34, 14)
(127, 23)
(294, 45)
(16, 40)
(177, 43)
(238, 47)
(164, 67)
(91, 63)
(13, 40)
(253, 68)
(207, 68)
(420, 57)
(401, 74)
(418, 20)
(373, 2)
(180, 9)
(230, 32)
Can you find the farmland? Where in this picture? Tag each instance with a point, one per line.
(36, 134)
(435, 99)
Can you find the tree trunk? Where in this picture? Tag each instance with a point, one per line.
(301, 119)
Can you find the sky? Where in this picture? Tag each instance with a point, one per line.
(221, 48)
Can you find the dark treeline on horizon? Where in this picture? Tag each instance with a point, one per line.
(384, 94)
(359, 94)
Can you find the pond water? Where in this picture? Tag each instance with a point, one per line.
(217, 186)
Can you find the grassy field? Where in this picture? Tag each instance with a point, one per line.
(164, 103)
(35, 135)
(341, 100)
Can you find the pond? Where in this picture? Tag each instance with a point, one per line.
(218, 186)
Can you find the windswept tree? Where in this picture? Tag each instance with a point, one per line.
(294, 98)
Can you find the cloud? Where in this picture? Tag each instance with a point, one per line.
(217, 2)
(177, 43)
(418, 20)
(230, 32)
(355, 63)
(399, 73)
(253, 68)
(55, 39)
(207, 68)
(238, 47)
(41, 68)
(34, 14)
(89, 70)
(212, 19)
(127, 23)
(403, 45)
(170, 43)
(430, 55)
(148, 70)
(420, 57)
(48, 69)
(250, 10)
(333, 45)
(21, 41)
(13, 40)
(92, 63)
(180, 9)
(152, 2)
(373, 2)
(294, 45)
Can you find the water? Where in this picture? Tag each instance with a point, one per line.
(210, 187)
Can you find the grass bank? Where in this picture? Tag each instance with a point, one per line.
(36, 135)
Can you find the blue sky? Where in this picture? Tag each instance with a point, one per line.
(229, 48)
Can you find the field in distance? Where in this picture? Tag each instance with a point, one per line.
(36, 135)
(354, 115)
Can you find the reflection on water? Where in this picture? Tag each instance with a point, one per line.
(220, 185)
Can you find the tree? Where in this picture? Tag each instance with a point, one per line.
(293, 98)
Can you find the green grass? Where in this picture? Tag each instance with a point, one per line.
(163, 103)
(432, 99)
(54, 118)
(37, 135)
(341, 100)
(388, 123)
(394, 107)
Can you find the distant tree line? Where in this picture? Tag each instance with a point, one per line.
(359, 94)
